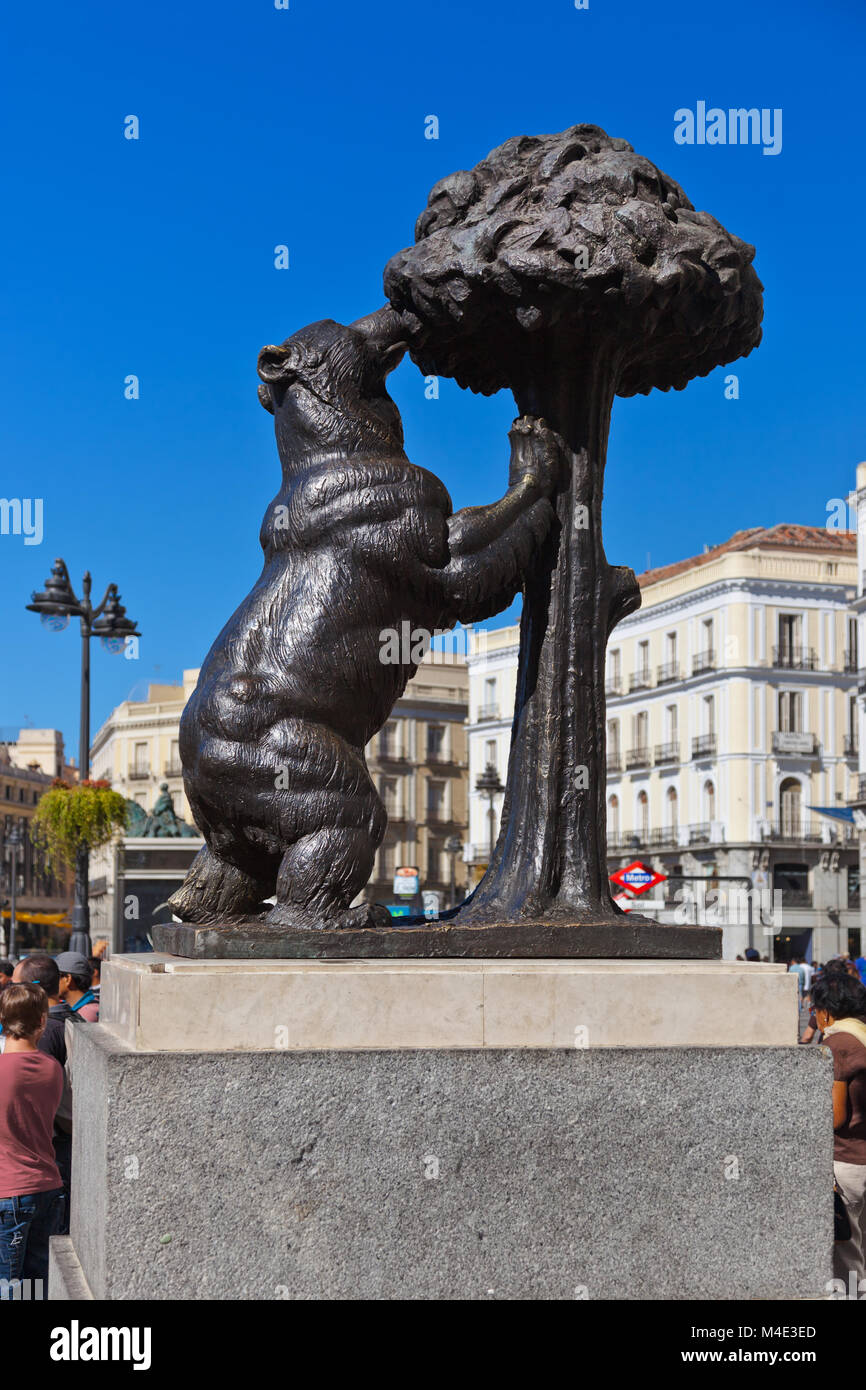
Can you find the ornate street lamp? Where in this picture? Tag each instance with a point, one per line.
(453, 846)
(56, 605)
(490, 785)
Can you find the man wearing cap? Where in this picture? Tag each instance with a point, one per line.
(75, 978)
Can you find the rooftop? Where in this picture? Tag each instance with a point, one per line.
(784, 536)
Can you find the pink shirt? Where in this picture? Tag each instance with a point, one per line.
(31, 1085)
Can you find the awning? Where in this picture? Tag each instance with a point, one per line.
(835, 812)
(39, 919)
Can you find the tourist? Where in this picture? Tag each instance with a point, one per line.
(6, 969)
(31, 1190)
(75, 978)
(840, 1011)
(752, 954)
(95, 963)
(42, 970)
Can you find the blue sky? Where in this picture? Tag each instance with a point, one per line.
(305, 127)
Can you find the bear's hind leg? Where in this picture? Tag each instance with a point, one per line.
(320, 875)
(217, 891)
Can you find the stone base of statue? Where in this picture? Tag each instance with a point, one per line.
(626, 936)
(545, 1129)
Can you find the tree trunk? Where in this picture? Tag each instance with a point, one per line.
(550, 858)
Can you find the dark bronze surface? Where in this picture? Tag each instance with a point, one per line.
(627, 939)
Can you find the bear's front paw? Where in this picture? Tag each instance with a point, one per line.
(536, 455)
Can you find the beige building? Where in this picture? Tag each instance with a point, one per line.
(419, 763)
(136, 749)
(29, 763)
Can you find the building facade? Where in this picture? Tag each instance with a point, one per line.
(29, 763)
(732, 739)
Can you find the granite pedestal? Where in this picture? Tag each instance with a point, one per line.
(447, 1130)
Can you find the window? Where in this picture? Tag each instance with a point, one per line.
(852, 717)
(793, 881)
(435, 801)
(388, 741)
(709, 710)
(789, 635)
(613, 817)
(640, 727)
(672, 808)
(853, 886)
(615, 666)
(707, 632)
(141, 759)
(388, 793)
(709, 802)
(434, 862)
(436, 741)
(790, 712)
(388, 859)
(643, 658)
(852, 653)
(671, 731)
(671, 648)
(643, 815)
(491, 754)
(613, 746)
(790, 807)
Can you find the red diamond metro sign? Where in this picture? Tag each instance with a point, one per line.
(637, 877)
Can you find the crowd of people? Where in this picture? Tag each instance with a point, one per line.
(38, 996)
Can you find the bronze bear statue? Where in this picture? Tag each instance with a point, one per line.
(356, 541)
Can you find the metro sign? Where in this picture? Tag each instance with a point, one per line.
(637, 877)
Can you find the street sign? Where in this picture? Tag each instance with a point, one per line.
(406, 882)
(623, 900)
(637, 878)
(399, 909)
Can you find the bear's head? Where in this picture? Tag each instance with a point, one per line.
(325, 387)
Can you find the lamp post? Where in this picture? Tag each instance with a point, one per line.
(13, 844)
(56, 605)
(453, 846)
(490, 785)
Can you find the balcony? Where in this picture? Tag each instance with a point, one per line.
(626, 841)
(139, 774)
(704, 661)
(700, 834)
(796, 897)
(641, 680)
(795, 830)
(637, 757)
(173, 770)
(614, 761)
(667, 753)
(794, 658)
(668, 837)
(861, 787)
(486, 713)
(704, 746)
(669, 672)
(852, 745)
(390, 753)
(851, 668)
(792, 744)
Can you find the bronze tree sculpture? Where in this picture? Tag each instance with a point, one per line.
(568, 269)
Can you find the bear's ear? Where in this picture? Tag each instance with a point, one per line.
(266, 399)
(276, 364)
